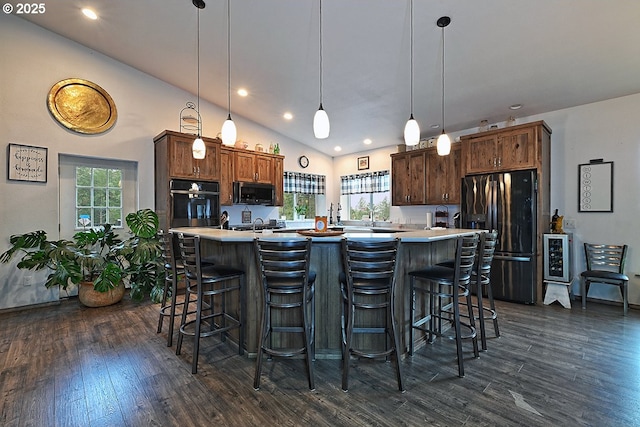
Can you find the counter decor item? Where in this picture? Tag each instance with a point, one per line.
(98, 257)
(82, 106)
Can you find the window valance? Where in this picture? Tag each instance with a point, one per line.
(370, 182)
(304, 183)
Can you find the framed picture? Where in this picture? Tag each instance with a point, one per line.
(595, 186)
(363, 163)
(27, 163)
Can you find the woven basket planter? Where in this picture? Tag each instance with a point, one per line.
(92, 298)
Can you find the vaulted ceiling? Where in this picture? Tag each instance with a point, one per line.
(543, 54)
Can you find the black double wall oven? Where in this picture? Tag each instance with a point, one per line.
(194, 203)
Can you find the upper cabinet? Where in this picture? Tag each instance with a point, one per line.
(511, 148)
(443, 176)
(408, 178)
(174, 156)
(253, 167)
(226, 176)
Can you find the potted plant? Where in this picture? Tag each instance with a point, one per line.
(97, 259)
(301, 211)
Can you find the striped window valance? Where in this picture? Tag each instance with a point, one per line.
(304, 183)
(370, 182)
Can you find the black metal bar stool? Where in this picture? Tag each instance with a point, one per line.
(172, 269)
(481, 280)
(368, 284)
(444, 287)
(211, 285)
(288, 302)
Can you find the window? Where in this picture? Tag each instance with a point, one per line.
(302, 191)
(98, 196)
(366, 195)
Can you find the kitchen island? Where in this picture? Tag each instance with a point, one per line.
(418, 248)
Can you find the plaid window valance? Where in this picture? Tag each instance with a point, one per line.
(304, 183)
(370, 182)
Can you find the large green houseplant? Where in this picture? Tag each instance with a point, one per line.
(97, 256)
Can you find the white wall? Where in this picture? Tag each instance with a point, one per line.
(35, 59)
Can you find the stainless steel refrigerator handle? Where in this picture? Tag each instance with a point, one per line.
(513, 258)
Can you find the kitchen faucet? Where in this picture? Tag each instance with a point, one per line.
(256, 221)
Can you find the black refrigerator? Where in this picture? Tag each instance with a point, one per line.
(506, 202)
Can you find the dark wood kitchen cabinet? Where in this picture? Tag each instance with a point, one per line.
(173, 155)
(512, 148)
(226, 176)
(443, 176)
(408, 178)
(278, 179)
(253, 167)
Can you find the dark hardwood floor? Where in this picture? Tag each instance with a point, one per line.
(67, 365)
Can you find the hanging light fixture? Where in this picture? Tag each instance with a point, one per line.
(229, 132)
(198, 149)
(321, 126)
(411, 129)
(444, 142)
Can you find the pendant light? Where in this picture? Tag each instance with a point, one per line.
(444, 142)
(411, 129)
(198, 149)
(229, 132)
(321, 126)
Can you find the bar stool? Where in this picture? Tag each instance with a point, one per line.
(481, 279)
(288, 287)
(368, 284)
(448, 285)
(207, 281)
(172, 269)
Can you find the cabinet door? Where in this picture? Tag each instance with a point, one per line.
(517, 149)
(278, 180)
(208, 168)
(180, 161)
(443, 177)
(399, 180)
(417, 178)
(226, 177)
(480, 154)
(264, 169)
(244, 167)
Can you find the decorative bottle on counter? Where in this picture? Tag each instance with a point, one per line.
(554, 222)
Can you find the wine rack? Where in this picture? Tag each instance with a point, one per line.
(557, 257)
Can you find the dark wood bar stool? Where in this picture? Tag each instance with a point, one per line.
(368, 284)
(444, 287)
(172, 269)
(288, 302)
(210, 285)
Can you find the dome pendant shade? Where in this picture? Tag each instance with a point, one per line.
(198, 148)
(411, 132)
(229, 132)
(321, 125)
(444, 144)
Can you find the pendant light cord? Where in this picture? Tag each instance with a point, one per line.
(198, 86)
(443, 79)
(411, 60)
(229, 56)
(320, 20)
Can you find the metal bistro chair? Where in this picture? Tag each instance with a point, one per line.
(605, 264)
(211, 285)
(368, 287)
(288, 302)
(446, 285)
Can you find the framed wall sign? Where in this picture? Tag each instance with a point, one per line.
(363, 163)
(595, 186)
(27, 163)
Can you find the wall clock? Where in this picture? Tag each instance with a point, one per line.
(303, 161)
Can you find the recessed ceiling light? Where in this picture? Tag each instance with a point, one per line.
(367, 141)
(287, 116)
(242, 92)
(436, 126)
(337, 148)
(90, 13)
(515, 106)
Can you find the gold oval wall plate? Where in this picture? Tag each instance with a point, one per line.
(82, 106)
